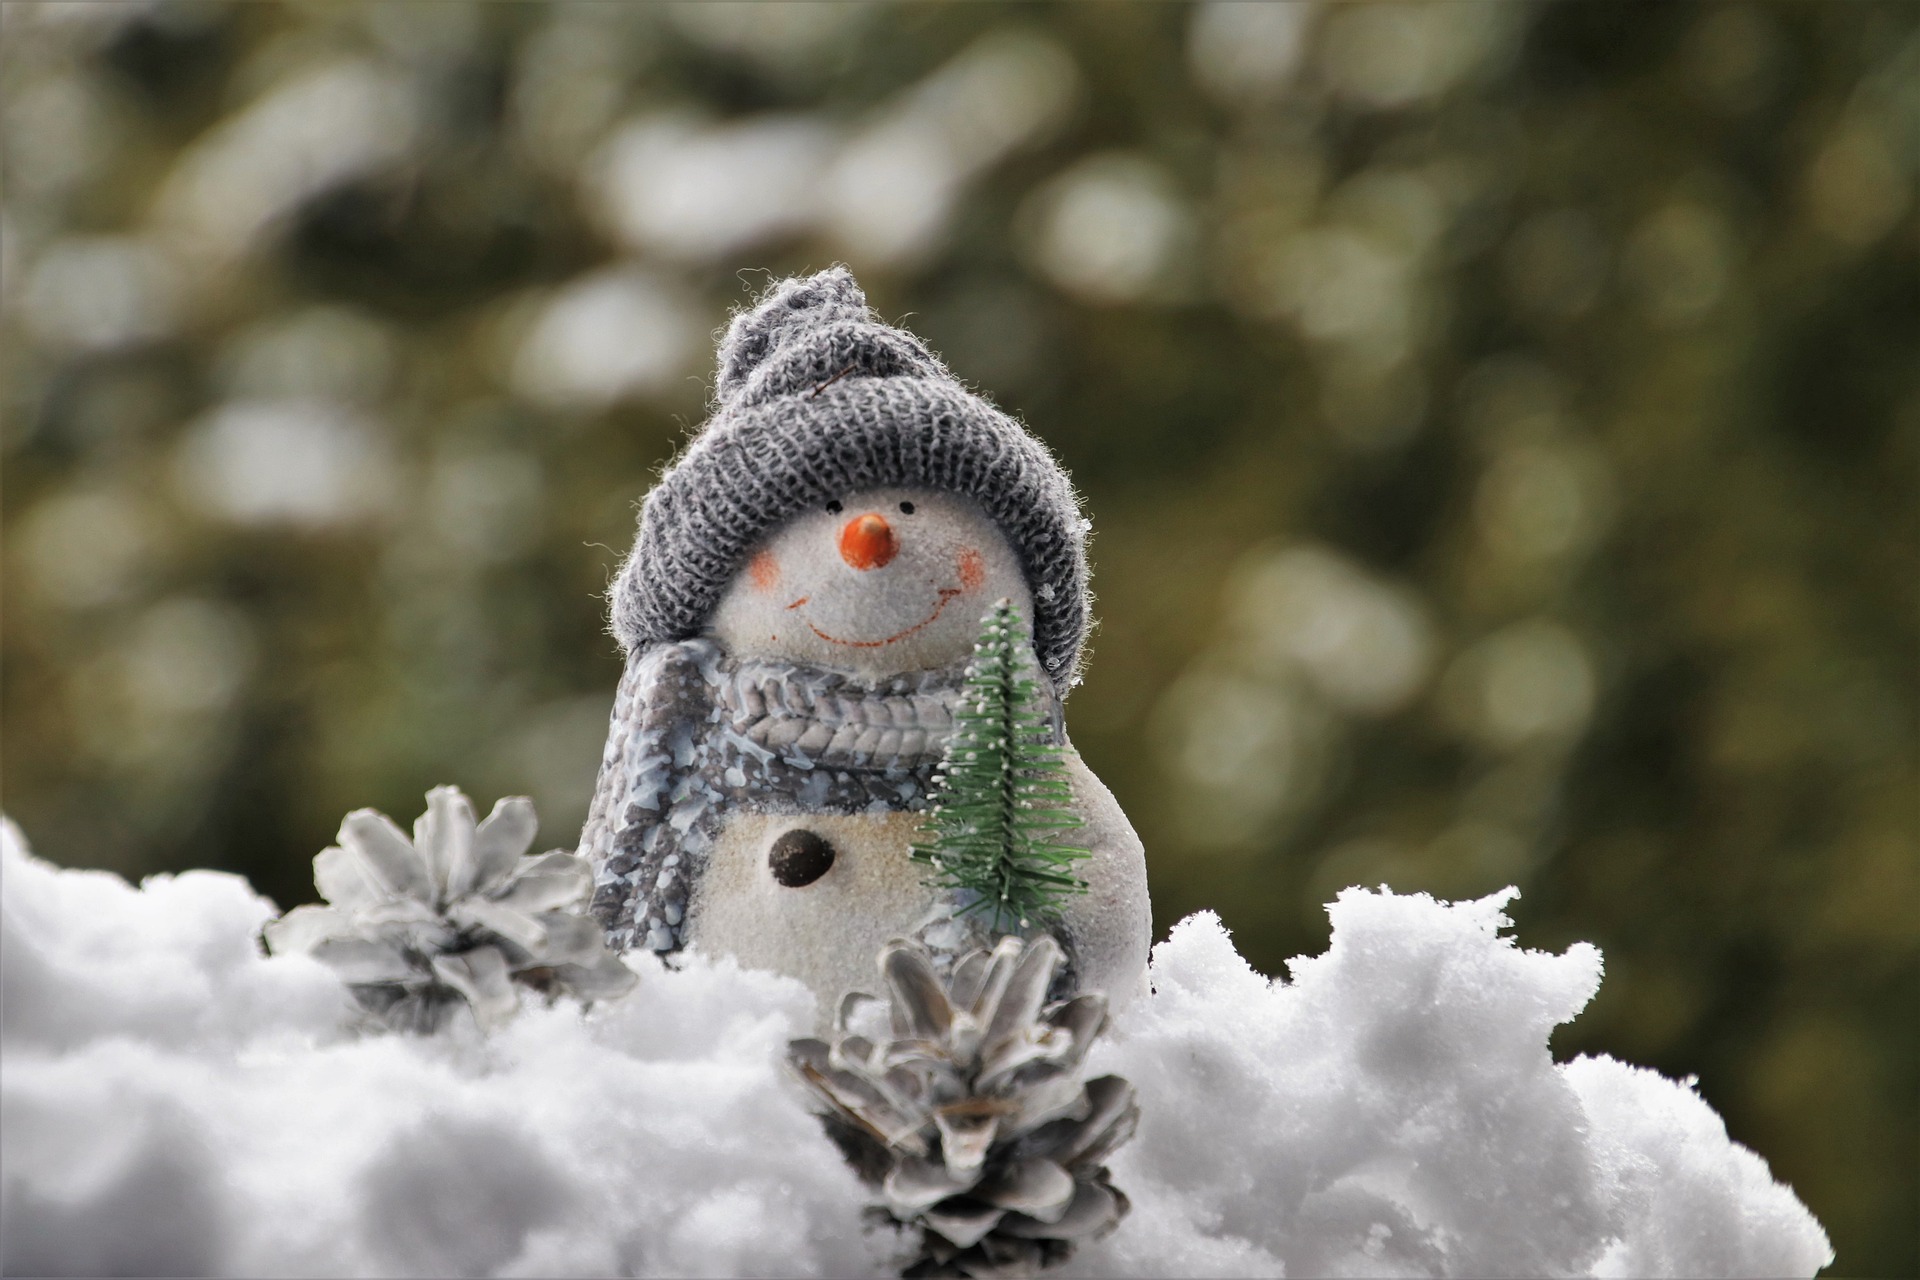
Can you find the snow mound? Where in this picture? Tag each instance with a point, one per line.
(174, 1102)
(1394, 1111)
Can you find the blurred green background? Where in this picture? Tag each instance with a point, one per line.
(1500, 423)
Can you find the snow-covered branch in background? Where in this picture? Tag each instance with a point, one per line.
(175, 1102)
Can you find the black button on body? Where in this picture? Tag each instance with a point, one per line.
(799, 857)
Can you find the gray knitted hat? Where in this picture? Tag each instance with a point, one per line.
(816, 399)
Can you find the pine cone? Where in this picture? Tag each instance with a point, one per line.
(456, 915)
(970, 1117)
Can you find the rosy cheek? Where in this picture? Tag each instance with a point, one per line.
(764, 571)
(973, 569)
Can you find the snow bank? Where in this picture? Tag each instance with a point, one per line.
(1393, 1111)
(173, 1102)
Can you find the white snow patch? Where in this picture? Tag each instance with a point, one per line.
(175, 1102)
(615, 333)
(298, 461)
(1394, 1110)
(97, 293)
(674, 184)
(311, 131)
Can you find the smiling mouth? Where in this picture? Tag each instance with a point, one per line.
(946, 596)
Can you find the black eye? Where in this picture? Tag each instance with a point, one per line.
(834, 506)
(907, 507)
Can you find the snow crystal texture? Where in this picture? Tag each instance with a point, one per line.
(173, 1102)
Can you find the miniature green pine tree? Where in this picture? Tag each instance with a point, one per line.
(1003, 794)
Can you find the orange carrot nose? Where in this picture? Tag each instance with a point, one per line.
(867, 541)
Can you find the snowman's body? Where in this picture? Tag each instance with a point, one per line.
(811, 717)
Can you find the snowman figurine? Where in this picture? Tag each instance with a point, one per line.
(798, 610)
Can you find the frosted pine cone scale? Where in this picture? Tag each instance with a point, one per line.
(458, 915)
(970, 1118)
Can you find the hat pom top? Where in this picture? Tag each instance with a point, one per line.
(806, 330)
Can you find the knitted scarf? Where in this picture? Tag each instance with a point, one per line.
(698, 734)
